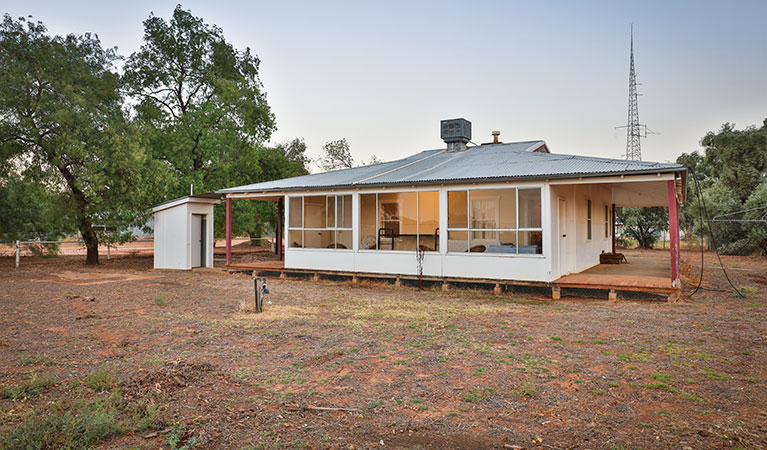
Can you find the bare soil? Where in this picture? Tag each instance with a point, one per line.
(405, 368)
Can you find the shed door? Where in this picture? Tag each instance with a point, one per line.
(197, 239)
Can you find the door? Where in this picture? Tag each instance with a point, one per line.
(196, 240)
(562, 236)
(203, 244)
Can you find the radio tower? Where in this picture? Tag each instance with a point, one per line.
(634, 130)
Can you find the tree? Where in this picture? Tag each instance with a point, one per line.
(337, 156)
(30, 211)
(643, 224)
(738, 157)
(199, 100)
(287, 159)
(62, 126)
(373, 160)
(730, 175)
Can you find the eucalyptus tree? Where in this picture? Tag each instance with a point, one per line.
(199, 100)
(62, 126)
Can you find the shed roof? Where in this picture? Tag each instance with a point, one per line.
(494, 162)
(210, 198)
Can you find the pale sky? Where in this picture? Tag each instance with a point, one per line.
(383, 74)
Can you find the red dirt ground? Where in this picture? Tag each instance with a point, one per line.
(421, 369)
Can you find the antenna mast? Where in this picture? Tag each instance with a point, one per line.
(634, 130)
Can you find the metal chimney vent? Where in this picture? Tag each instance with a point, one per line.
(456, 133)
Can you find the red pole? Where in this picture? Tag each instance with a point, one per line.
(228, 231)
(278, 238)
(673, 220)
(613, 225)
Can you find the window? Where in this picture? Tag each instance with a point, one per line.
(607, 221)
(399, 221)
(504, 221)
(588, 220)
(320, 221)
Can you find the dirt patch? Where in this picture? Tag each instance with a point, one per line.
(332, 365)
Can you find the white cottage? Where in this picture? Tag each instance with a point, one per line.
(183, 232)
(513, 212)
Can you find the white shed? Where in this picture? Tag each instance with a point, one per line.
(183, 232)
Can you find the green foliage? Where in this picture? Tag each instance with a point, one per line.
(30, 388)
(478, 394)
(30, 211)
(732, 172)
(82, 422)
(65, 136)
(643, 224)
(202, 107)
(102, 379)
(526, 390)
(337, 155)
(160, 299)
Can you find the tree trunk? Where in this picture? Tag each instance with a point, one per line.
(91, 242)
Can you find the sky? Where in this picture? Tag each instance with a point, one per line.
(383, 74)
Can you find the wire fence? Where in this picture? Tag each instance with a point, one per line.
(109, 246)
(19, 245)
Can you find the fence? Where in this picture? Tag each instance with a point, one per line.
(109, 246)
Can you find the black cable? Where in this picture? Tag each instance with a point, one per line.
(713, 242)
(700, 215)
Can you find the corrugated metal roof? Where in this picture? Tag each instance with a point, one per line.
(516, 160)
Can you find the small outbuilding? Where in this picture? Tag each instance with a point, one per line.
(183, 232)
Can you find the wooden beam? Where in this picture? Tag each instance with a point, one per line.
(673, 218)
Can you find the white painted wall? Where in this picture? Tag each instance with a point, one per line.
(173, 233)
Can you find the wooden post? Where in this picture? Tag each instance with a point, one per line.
(556, 293)
(673, 218)
(280, 219)
(18, 252)
(228, 231)
(613, 225)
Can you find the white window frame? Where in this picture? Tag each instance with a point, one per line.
(399, 207)
(516, 228)
(335, 229)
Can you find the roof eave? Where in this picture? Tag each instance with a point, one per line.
(460, 181)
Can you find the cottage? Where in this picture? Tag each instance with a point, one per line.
(513, 212)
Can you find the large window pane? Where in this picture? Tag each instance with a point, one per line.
(368, 230)
(295, 212)
(458, 241)
(295, 237)
(319, 238)
(530, 208)
(428, 220)
(531, 242)
(493, 208)
(345, 217)
(457, 214)
(331, 211)
(315, 211)
(344, 239)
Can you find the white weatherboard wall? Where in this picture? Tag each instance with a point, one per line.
(173, 237)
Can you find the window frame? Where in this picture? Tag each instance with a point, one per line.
(589, 233)
(335, 229)
(399, 208)
(517, 229)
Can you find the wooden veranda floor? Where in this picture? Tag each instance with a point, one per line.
(642, 273)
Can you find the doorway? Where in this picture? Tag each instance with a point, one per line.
(198, 239)
(562, 236)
